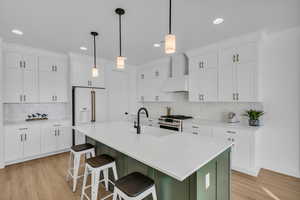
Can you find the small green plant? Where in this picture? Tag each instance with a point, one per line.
(254, 114)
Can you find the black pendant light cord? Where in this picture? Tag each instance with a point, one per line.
(120, 12)
(170, 17)
(120, 34)
(94, 51)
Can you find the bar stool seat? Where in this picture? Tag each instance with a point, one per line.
(82, 147)
(99, 161)
(134, 186)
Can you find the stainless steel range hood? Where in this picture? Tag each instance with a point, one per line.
(178, 80)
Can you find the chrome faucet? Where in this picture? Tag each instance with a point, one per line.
(138, 125)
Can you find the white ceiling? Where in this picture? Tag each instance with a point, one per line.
(64, 25)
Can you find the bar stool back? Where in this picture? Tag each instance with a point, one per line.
(74, 161)
(134, 186)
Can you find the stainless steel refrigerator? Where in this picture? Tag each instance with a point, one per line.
(89, 105)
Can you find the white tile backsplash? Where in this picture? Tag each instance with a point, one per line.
(18, 112)
(207, 111)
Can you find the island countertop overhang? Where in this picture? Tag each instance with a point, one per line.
(176, 154)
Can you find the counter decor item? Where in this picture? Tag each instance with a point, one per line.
(254, 116)
(232, 118)
(36, 116)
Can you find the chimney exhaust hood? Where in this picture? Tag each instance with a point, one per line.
(178, 79)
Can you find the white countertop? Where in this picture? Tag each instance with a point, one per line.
(212, 123)
(36, 122)
(176, 154)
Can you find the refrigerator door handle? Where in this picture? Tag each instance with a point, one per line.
(93, 107)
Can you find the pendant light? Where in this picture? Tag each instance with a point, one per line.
(94, 69)
(120, 58)
(170, 39)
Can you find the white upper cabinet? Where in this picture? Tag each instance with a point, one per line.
(237, 73)
(53, 80)
(151, 79)
(20, 80)
(81, 71)
(203, 77)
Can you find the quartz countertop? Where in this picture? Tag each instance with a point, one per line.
(35, 122)
(176, 154)
(220, 124)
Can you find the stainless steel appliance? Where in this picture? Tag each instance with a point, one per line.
(232, 118)
(89, 104)
(173, 122)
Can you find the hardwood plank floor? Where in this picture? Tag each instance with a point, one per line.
(45, 179)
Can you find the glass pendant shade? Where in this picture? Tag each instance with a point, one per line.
(120, 62)
(170, 44)
(95, 72)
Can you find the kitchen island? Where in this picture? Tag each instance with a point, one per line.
(184, 166)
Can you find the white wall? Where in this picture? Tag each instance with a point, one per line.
(1, 111)
(280, 90)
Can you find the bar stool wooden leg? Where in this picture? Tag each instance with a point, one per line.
(114, 168)
(75, 171)
(154, 197)
(95, 184)
(105, 174)
(86, 171)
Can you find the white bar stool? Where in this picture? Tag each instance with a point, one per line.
(95, 166)
(76, 152)
(134, 186)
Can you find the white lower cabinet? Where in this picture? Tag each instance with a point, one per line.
(22, 142)
(243, 150)
(56, 137)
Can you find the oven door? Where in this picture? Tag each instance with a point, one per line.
(169, 127)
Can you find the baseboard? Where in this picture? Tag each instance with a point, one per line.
(35, 157)
(251, 172)
(288, 173)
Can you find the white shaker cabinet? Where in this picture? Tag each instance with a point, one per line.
(22, 142)
(20, 78)
(237, 73)
(56, 137)
(151, 79)
(243, 149)
(53, 82)
(203, 77)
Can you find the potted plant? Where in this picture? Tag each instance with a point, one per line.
(254, 116)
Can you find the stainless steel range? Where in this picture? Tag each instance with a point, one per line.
(172, 122)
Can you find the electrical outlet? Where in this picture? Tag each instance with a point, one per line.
(207, 183)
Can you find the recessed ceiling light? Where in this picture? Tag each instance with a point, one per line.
(83, 48)
(218, 21)
(17, 32)
(156, 45)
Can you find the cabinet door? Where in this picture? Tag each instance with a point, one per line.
(227, 82)
(247, 53)
(13, 85)
(194, 80)
(46, 64)
(141, 84)
(13, 60)
(30, 88)
(64, 139)
(209, 84)
(81, 74)
(32, 142)
(49, 139)
(13, 144)
(245, 82)
(60, 84)
(47, 91)
(241, 150)
(30, 62)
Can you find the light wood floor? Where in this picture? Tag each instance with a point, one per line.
(44, 179)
